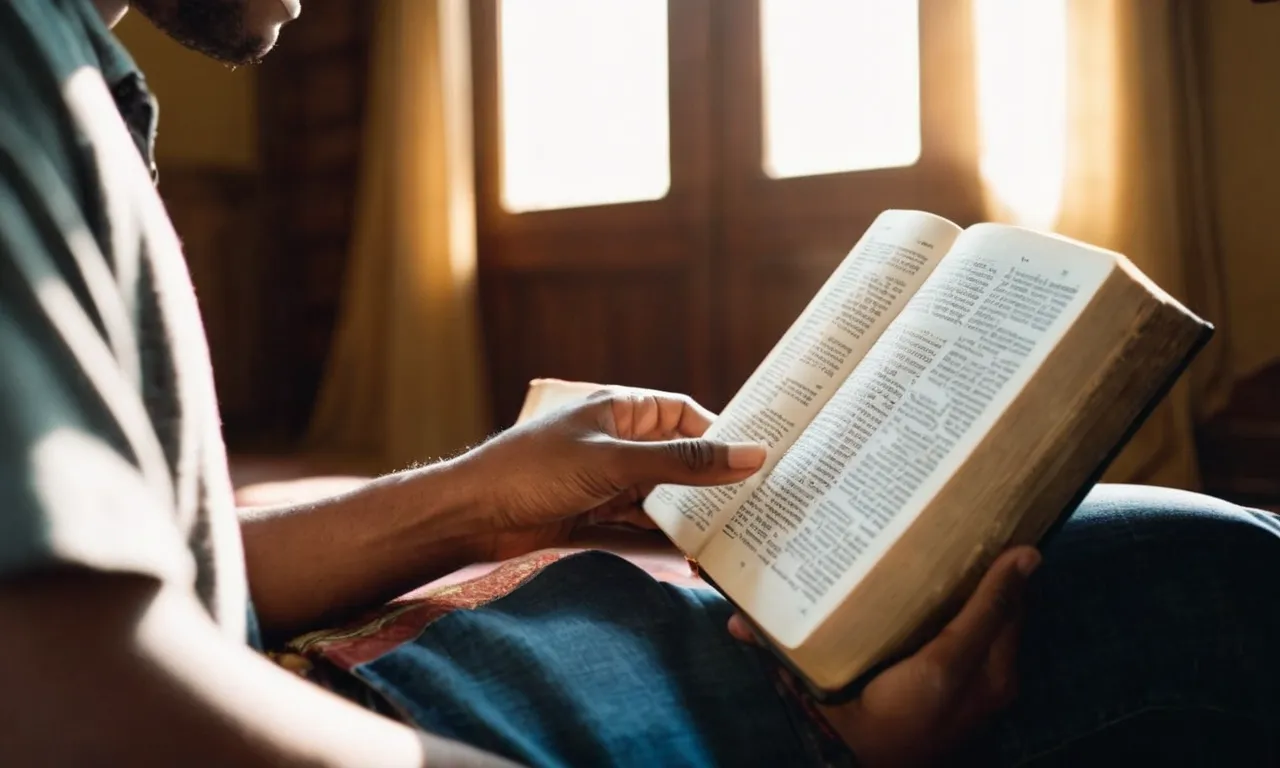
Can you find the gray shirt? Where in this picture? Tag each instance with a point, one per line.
(111, 455)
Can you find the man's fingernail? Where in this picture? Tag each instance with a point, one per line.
(1028, 562)
(746, 455)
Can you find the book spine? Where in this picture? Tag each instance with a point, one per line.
(1161, 393)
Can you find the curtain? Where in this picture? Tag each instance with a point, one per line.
(1126, 167)
(404, 382)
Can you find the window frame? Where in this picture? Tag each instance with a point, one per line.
(944, 178)
(650, 230)
(738, 249)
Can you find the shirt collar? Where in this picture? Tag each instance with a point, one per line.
(128, 87)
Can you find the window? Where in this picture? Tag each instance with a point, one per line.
(1022, 103)
(584, 117)
(841, 81)
(662, 184)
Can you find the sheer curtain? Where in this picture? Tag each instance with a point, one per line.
(405, 382)
(1093, 127)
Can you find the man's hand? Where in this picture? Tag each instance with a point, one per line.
(593, 462)
(920, 709)
(527, 489)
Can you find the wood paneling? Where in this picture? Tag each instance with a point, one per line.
(617, 327)
(617, 293)
(690, 292)
(216, 214)
(1239, 448)
(312, 103)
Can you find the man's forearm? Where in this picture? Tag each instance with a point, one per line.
(317, 561)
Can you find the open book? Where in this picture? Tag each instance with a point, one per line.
(946, 394)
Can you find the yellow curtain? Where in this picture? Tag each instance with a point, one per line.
(404, 381)
(1131, 166)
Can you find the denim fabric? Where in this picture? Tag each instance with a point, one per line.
(1151, 639)
(594, 663)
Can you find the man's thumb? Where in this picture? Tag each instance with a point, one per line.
(692, 461)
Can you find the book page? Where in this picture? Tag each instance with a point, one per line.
(901, 424)
(547, 395)
(800, 374)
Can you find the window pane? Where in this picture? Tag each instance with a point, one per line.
(584, 102)
(1022, 106)
(841, 85)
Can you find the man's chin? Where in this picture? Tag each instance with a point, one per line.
(245, 52)
(252, 51)
(232, 31)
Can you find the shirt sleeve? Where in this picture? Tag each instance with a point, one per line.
(83, 481)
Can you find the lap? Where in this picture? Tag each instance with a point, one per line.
(593, 662)
(1150, 632)
(1150, 627)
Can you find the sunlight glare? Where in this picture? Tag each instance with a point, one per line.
(1022, 106)
(841, 83)
(584, 102)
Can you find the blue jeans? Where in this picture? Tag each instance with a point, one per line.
(1151, 638)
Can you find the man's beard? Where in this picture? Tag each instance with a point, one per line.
(212, 27)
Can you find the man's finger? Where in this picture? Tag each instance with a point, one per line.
(681, 415)
(643, 414)
(690, 461)
(967, 640)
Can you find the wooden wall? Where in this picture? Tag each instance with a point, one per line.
(311, 101)
(1240, 446)
(258, 171)
(688, 293)
(207, 152)
(217, 213)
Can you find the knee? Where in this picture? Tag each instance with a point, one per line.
(1121, 500)
(1131, 514)
(1124, 538)
(1153, 597)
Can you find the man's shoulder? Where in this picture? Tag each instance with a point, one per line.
(56, 61)
(42, 46)
(47, 37)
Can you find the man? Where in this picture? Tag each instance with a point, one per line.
(125, 621)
